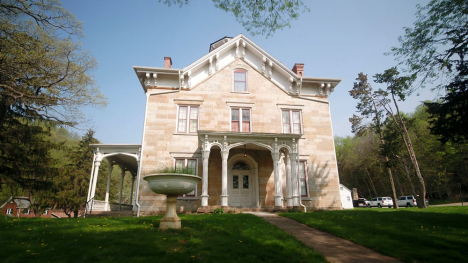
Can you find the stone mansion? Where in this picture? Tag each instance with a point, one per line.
(258, 134)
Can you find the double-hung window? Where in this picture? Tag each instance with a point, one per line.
(187, 119)
(190, 165)
(9, 211)
(302, 178)
(240, 120)
(292, 121)
(240, 80)
(26, 211)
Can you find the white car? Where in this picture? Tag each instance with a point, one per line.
(407, 201)
(381, 201)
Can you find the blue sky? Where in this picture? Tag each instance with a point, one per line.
(336, 39)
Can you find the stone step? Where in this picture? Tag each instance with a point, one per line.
(109, 214)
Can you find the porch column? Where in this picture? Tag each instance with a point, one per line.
(224, 194)
(90, 188)
(204, 196)
(122, 175)
(97, 163)
(287, 170)
(278, 184)
(295, 196)
(111, 166)
(131, 189)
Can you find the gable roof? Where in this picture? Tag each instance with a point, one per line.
(21, 201)
(257, 58)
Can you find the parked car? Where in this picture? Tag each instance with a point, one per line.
(360, 203)
(407, 201)
(381, 201)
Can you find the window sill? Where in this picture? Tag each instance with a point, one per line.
(242, 92)
(185, 134)
(307, 198)
(189, 198)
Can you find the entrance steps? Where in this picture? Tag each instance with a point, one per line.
(235, 210)
(109, 214)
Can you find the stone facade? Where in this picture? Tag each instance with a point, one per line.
(214, 97)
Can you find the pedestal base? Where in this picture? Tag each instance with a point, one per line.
(170, 219)
(174, 223)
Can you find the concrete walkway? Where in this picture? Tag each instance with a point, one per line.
(334, 249)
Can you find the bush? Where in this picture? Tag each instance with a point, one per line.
(218, 211)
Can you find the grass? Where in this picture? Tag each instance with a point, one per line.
(435, 234)
(203, 238)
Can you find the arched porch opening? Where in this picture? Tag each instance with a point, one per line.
(126, 158)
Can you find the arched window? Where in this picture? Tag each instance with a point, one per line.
(240, 166)
(240, 80)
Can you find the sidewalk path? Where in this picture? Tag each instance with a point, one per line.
(334, 249)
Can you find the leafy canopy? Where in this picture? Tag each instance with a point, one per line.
(260, 17)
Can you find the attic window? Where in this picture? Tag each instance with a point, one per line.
(240, 80)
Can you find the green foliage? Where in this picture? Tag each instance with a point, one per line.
(44, 73)
(435, 234)
(72, 184)
(261, 17)
(203, 238)
(218, 211)
(435, 50)
(443, 165)
(177, 170)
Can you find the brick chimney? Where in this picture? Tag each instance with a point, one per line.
(298, 69)
(167, 62)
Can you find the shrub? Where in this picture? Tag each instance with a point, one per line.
(218, 211)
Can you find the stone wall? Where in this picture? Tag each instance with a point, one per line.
(214, 96)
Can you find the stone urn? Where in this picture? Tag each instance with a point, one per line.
(171, 185)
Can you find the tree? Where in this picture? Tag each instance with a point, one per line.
(44, 81)
(44, 74)
(397, 87)
(431, 50)
(369, 108)
(72, 184)
(260, 17)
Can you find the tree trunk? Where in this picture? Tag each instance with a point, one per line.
(389, 170)
(75, 213)
(371, 183)
(410, 149)
(413, 191)
(398, 183)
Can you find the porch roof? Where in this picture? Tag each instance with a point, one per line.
(120, 151)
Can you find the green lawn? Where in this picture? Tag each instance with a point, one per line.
(435, 234)
(203, 238)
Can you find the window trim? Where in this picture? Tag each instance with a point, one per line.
(187, 119)
(234, 80)
(196, 172)
(9, 211)
(305, 177)
(291, 124)
(240, 109)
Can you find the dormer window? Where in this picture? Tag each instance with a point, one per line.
(240, 80)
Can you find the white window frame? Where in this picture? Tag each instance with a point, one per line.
(304, 162)
(234, 81)
(240, 118)
(291, 126)
(196, 172)
(26, 211)
(9, 211)
(187, 125)
(46, 212)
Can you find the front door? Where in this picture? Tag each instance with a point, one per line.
(240, 187)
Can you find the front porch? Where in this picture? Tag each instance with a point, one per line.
(253, 171)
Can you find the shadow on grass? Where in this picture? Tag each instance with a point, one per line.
(203, 238)
(412, 235)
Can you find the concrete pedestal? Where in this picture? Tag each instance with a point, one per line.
(170, 219)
